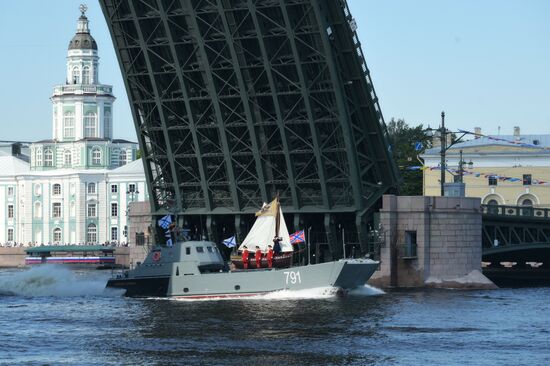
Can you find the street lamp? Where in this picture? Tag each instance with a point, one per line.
(442, 132)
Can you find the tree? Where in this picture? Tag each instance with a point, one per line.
(404, 140)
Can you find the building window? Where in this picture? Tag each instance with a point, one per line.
(10, 191)
(122, 160)
(92, 234)
(76, 75)
(57, 235)
(56, 190)
(526, 179)
(527, 202)
(114, 233)
(96, 156)
(86, 75)
(492, 180)
(37, 190)
(92, 210)
(38, 157)
(131, 188)
(48, 157)
(10, 234)
(90, 125)
(68, 125)
(10, 211)
(91, 188)
(107, 121)
(38, 210)
(114, 209)
(114, 188)
(56, 209)
(67, 158)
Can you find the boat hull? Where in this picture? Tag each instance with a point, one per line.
(343, 274)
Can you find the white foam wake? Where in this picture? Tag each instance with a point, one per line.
(366, 290)
(51, 280)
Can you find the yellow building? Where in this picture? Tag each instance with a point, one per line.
(505, 170)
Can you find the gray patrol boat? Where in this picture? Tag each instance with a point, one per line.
(196, 269)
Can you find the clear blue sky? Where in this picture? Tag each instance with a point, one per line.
(486, 63)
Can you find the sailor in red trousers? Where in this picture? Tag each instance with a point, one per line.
(245, 257)
(258, 257)
(269, 256)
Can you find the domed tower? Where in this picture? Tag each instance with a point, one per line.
(82, 107)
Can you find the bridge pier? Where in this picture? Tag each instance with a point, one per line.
(431, 242)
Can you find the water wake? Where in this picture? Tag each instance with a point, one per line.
(51, 280)
(366, 290)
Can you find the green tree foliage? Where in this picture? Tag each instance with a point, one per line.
(403, 139)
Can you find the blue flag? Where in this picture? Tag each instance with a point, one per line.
(230, 242)
(165, 222)
(418, 146)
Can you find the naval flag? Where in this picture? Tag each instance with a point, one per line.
(230, 242)
(297, 237)
(165, 222)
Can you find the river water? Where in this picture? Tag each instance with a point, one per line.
(55, 316)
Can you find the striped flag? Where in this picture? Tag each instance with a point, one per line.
(230, 242)
(298, 237)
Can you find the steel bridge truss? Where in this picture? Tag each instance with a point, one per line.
(235, 101)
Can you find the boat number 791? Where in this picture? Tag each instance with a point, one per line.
(293, 277)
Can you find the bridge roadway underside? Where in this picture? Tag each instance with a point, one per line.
(237, 101)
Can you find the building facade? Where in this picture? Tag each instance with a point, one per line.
(75, 187)
(504, 170)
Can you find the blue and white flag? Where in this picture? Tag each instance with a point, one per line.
(165, 222)
(169, 242)
(230, 242)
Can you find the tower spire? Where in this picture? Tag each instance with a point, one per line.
(82, 26)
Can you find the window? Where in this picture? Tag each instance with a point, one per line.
(91, 188)
(56, 209)
(67, 158)
(91, 236)
(200, 250)
(96, 156)
(38, 210)
(209, 249)
(107, 121)
(48, 157)
(68, 125)
(114, 233)
(10, 191)
(56, 190)
(37, 190)
(10, 211)
(131, 188)
(187, 250)
(527, 202)
(57, 235)
(86, 75)
(38, 157)
(114, 188)
(122, 159)
(140, 238)
(90, 125)
(114, 209)
(10, 234)
(526, 179)
(76, 75)
(92, 210)
(492, 180)
(410, 244)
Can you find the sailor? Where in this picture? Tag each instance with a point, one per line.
(245, 257)
(269, 256)
(258, 257)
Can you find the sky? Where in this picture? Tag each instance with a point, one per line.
(485, 63)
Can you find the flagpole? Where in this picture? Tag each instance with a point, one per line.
(308, 246)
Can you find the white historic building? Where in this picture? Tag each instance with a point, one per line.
(76, 187)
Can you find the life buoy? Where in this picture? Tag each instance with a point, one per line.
(156, 256)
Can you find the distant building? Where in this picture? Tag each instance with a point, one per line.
(76, 187)
(505, 170)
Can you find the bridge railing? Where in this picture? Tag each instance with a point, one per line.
(515, 211)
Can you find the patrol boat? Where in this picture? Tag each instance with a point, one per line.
(196, 269)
